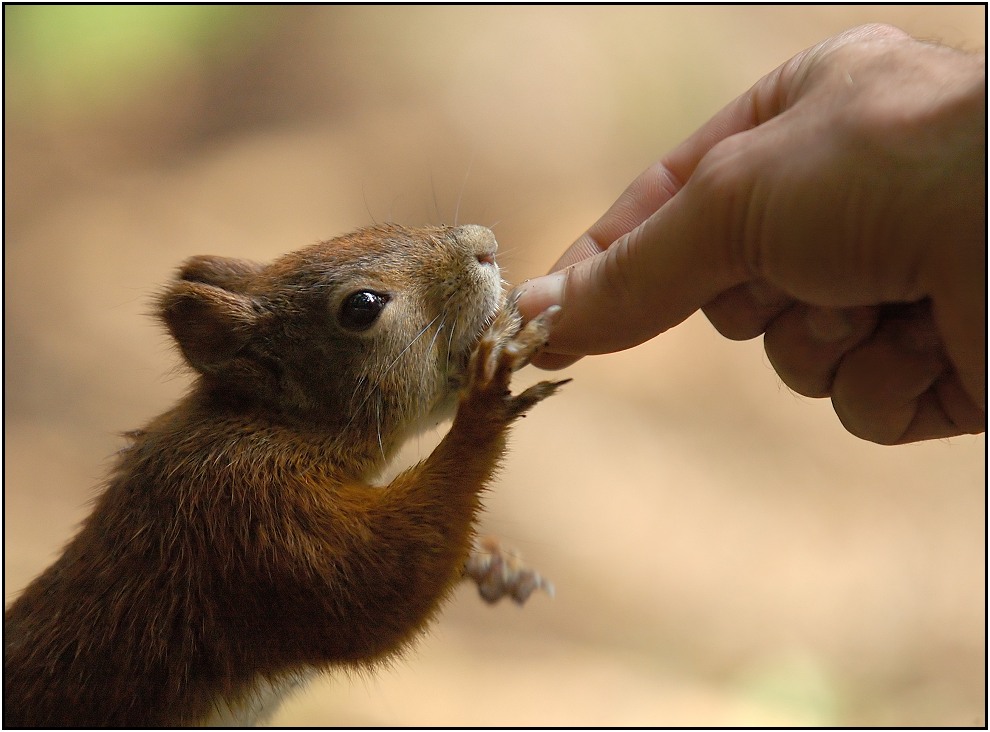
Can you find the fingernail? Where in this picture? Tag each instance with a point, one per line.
(540, 293)
(828, 325)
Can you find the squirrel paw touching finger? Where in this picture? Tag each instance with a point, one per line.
(506, 346)
(499, 571)
(519, 342)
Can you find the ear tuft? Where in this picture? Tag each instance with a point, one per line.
(210, 324)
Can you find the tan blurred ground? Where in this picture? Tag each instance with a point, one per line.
(724, 553)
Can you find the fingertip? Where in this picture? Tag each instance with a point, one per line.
(550, 361)
(540, 294)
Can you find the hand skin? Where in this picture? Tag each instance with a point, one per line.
(838, 207)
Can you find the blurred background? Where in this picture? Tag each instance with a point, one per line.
(724, 553)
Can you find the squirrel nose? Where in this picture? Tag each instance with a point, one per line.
(479, 240)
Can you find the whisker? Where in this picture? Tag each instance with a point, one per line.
(391, 208)
(378, 421)
(367, 206)
(439, 328)
(507, 251)
(433, 190)
(388, 368)
(450, 343)
(460, 194)
(410, 344)
(426, 364)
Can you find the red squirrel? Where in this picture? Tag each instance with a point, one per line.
(240, 545)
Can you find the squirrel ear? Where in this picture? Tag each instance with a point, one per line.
(230, 274)
(210, 324)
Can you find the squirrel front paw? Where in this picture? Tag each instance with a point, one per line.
(506, 346)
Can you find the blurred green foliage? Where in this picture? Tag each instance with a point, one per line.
(794, 686)
(82, 55)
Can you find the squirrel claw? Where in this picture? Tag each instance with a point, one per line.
(535, 394)
(506, 346)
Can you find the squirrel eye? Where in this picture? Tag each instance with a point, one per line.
(361, 309)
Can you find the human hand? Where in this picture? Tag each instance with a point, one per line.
(838, 207)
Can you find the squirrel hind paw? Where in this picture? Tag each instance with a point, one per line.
(499, 572)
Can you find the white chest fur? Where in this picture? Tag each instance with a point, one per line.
(259, 705)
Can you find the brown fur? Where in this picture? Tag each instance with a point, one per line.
(238, 539)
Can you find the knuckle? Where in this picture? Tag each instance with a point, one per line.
(727, 181)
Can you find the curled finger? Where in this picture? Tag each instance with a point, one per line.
(806, 343)
(744, 311)
(887, 388)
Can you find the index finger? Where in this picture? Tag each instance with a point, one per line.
(766, 99)
(662, 180)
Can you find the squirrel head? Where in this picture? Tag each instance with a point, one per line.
(370, 330)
